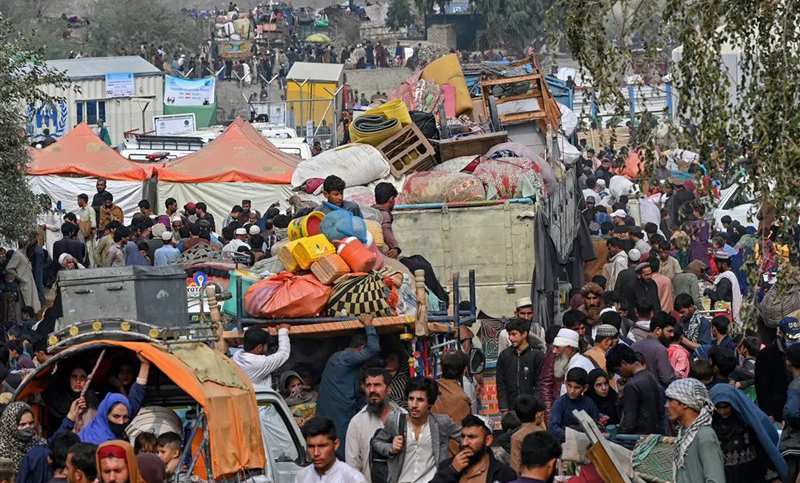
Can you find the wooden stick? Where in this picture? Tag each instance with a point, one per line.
(421, 323)
(91, 375)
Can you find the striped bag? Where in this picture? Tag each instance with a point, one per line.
(365, 294)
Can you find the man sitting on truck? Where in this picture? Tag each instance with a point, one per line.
(385, 195)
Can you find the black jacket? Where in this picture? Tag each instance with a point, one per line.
(498, 472)
(641, 290)
(772, 380)
(518, 374)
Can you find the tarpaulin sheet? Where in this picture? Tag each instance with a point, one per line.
(127, 194)
(221, 197)
(82, 153)
(239, 154)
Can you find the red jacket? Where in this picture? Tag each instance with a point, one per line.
(549, 385)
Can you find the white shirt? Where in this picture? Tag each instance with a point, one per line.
(339, 473)
(259, 368)
(233, 245)
(418, 463)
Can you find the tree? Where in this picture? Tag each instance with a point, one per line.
(399, 15)
(126, 25)
(521, 21)
(748, 124)
(22, 73)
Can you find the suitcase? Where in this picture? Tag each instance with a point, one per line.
(329, 268)
(307, 250)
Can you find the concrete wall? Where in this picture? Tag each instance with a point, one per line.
(443, 35)
(372, 81)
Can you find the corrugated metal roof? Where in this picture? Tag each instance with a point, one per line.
(91, 67)
(315, 71)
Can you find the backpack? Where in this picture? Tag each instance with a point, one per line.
(379, 464)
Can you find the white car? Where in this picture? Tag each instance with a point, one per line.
(736, 201)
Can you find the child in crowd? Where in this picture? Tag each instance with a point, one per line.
(145, 443)
(333, 191)
(530, 411)
(510, 423)
(169, 450)
(745, 373)
(702, 371)
(561, 415)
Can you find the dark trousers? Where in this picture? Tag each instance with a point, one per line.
(418, 262)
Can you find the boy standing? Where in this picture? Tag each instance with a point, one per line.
(169, 451)
(530, 412)
(561, 415)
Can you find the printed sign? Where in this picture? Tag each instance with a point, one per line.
(120, 84)
(174, 124)
(52, 116)
(189, 92)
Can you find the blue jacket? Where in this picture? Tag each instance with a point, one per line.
(340, 385)
(561, 414)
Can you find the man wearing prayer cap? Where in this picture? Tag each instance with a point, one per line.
(240, 235)
(628, 275)
(524, 310)
(566, 348)
(169, 252)
(606, 336)
(698, 456)
(726, 285)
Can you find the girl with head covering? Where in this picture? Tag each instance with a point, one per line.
(604, 397)
(17, 434)
(115, 459)
(59, 399)
(110, 422)
(748, 438)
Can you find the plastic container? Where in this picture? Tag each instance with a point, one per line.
(229, 307)
(329, 269)
(374, 228)
(357, 256)
(287, 258)
(308, 225)
(307, 250)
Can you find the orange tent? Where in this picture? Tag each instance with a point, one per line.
(82, 153)
(238, 154)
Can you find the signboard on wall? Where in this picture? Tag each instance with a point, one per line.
(174, 124)
(189, 92)
(52, 116)
(120, 84)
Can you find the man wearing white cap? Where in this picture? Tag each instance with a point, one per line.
(618, 217)
(240, 235)
(519, 367)
(523, 311)
(726, 285)
(566, 346)
(167, 253)
(628, 276)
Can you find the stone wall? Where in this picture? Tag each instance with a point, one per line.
(443, 35)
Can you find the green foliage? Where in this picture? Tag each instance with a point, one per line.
(126, 25)
(22, 72)
(752, 125)
(522, 22)
(399, 15)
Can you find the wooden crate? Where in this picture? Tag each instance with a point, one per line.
(598, 139)
(477, 144)
(407, 151)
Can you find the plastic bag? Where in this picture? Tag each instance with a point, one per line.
(340, 224)
(434, 187)
(286, 295)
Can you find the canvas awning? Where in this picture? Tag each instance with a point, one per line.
(82, 153)
(239, 154)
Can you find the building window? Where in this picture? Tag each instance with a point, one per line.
(90, 111)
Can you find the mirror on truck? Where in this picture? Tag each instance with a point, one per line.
(477, 361)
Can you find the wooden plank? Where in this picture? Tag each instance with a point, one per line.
(510, 80)
(475, 144)
(384, 325)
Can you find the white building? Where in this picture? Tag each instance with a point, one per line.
(128, 101)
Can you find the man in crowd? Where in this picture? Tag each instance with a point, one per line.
(643, 287)
(116, 252)
(171, 206)
(719, 333)
(81, 463)
(696, 328)
(97, 199)
(105, 243)
(698, 456)
(254, 360)
(518, 367)
(475, 462)
(627, 276)
(109, 211)
(524, 311)
(321, 447)
(416, 450)
(771, 375)
(606, 337)
(617, 262)
(669, 266)
(370, 419)
(87, 221)
(726, 285)
(340, 380)
(68, 244)
(539, 458)
(654, 348)
(202, 214)
(238, 242)
(663, 284)
(639, 243)
(642, 398)
(168, 252)
(452, 400)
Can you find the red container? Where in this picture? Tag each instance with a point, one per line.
(358, 257)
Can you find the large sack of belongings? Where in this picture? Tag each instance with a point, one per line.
(436, 187)
(357, 164)
(286, 295)
(363, 294)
